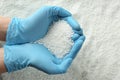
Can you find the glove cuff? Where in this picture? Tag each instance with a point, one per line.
(13, 32)
(12, 60)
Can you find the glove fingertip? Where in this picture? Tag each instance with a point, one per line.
(75, 37)
(82, 38)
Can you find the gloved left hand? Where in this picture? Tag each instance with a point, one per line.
(36, 26)
(17, 57)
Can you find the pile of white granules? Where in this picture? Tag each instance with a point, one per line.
(58, 39)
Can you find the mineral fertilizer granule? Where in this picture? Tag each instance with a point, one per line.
(58, 39)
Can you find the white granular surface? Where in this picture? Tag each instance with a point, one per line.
(99, 57)
(58, 39)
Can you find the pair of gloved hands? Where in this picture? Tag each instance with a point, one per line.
(20, 53)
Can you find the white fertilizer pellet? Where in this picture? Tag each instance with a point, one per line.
(58, 39)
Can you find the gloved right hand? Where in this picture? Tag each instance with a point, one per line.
(17, 57)
(37, 25)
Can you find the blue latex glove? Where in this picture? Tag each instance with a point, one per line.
(37, 25)
(17, 57)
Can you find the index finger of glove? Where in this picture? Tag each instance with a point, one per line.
(59, 11)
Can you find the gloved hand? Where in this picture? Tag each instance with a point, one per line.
(17, 57)
(36, 26)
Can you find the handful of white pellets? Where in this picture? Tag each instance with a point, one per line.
(58, 39)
